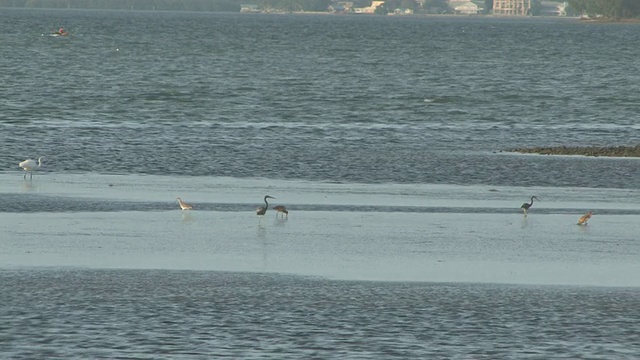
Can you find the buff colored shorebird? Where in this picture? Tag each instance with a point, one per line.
(281, 210)
(29, 165)
(584, 218)
(184, 205)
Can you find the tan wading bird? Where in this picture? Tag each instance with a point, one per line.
(29, 165)
(281, 210)
(526, 206)
(261, 210)
(184, 205)
(584, 218)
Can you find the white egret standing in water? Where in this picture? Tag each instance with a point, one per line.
(29, 165)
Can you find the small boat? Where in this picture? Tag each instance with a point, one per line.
(60, 32)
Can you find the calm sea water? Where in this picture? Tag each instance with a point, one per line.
(387, 137)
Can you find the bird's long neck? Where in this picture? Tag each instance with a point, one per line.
(39, 161)
(531, 201)
(266, 204)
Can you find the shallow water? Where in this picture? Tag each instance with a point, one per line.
(108, 266)
(351, 232)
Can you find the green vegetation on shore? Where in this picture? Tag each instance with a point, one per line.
(158, 5)
(608, 151)
(607, 9)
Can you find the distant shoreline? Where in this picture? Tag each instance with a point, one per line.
(283, 12)
(594, 151)
(611, 21)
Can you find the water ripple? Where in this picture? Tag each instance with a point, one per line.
(325, 110)
(139, 314)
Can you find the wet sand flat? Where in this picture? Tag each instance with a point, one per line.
(357, 240)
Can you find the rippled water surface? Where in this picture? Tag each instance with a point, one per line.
(150, 314)
(386, 137)
(355, 271)
(366, 99)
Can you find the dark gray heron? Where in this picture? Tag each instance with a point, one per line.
(261, 210)
(526, 206)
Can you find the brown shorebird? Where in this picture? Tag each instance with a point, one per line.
(281, 210)
(584, 218)
(184, 205)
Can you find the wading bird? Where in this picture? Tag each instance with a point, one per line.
(261, 210)
(526, 206)
(584, 218)
(184, 205)
(281, 210)
(29, 165)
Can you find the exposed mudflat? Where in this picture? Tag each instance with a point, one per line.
(611, 151)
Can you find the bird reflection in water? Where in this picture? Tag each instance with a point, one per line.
(261, 236)
(187, 217)
(28, 186)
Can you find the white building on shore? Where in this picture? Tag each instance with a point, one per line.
(369, 9)
(512, 7)
(553, 8)
(464, 7)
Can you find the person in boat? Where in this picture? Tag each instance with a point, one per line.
(62, 32)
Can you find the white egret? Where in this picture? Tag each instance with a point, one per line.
(29, 165)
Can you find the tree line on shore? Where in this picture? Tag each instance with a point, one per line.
(608, 9)
(208, 5)
(158, 5)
